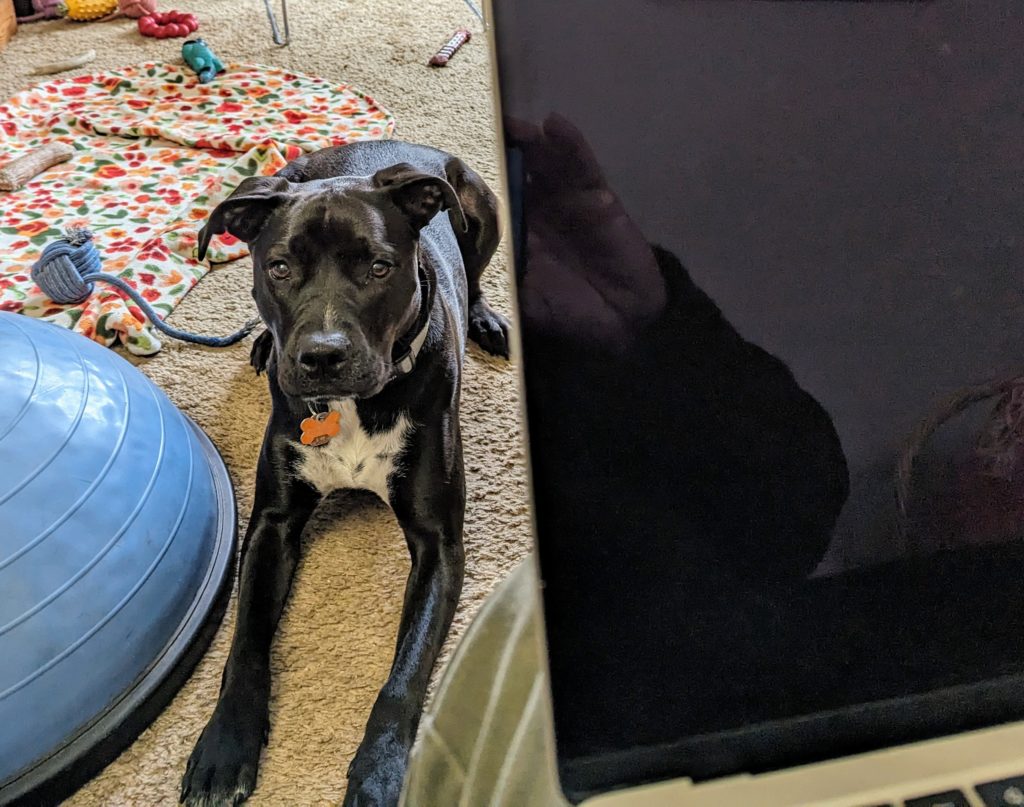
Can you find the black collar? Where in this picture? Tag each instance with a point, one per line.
(406, 349)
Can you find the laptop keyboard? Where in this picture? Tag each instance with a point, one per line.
(1004, 793)
(1000, 793)
(951, 798)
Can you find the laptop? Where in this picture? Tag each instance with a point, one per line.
(768, 263)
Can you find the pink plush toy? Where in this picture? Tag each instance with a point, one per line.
(44, 10)
(136, 8)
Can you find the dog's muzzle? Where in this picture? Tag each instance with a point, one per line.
(327, 365)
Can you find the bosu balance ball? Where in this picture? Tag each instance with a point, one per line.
(117, 535)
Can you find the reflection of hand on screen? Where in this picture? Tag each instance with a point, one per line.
(588, 268)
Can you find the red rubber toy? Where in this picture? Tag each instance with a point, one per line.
(166, 24)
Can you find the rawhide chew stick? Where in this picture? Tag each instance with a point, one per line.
(458, 39)
(71, 63)
(20, 170)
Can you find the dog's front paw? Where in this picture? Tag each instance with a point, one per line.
(489, 329)
(223, 765)
(377, 771)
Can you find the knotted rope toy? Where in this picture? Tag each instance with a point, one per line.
(69, 268)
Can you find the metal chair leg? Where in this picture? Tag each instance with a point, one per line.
(476, 10)
(274, 30)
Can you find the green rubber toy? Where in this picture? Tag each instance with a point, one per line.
(199, 57)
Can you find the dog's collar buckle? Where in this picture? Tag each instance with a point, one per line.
(407, 363)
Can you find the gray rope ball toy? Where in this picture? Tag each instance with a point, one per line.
(69, 268)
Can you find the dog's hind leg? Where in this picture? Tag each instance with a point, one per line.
(478, 242)
(222, 768)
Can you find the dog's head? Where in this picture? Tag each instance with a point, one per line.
(335, 270)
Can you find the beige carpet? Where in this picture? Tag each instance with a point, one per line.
(334, 645)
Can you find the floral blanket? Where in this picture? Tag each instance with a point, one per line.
(155, 152)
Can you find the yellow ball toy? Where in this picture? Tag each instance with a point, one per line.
(84, 10)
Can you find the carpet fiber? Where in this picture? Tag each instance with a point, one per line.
(336, 638)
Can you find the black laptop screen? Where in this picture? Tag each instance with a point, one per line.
(770, 270)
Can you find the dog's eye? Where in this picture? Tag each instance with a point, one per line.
(279, 270)
(381, 269)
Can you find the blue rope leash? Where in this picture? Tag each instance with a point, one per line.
(69, 267)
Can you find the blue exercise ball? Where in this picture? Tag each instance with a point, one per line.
(117, 535)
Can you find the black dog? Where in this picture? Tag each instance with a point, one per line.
(367, 296)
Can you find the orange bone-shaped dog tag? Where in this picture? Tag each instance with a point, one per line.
(318, 430)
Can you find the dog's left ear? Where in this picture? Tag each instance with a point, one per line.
(420, 196)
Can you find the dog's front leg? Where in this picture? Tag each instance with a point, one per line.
(429, 501)
(222, 768)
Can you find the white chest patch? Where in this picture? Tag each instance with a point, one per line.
(353, 458)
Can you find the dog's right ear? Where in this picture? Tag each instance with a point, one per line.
(245, 211)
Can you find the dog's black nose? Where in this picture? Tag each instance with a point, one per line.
(323, 353)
